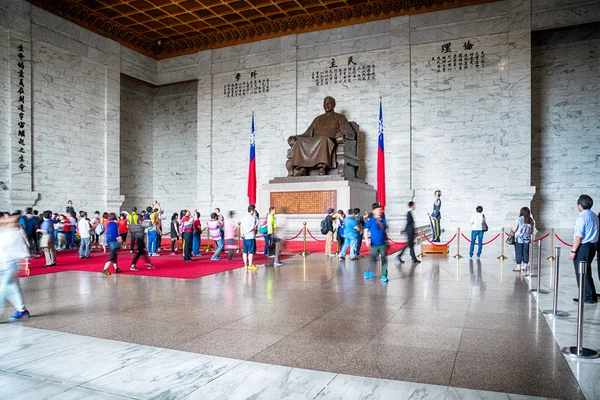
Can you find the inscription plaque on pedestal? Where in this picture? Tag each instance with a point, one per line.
(304, 202)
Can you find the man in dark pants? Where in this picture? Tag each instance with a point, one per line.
(436, 216)
(410, 233)
(584, 245)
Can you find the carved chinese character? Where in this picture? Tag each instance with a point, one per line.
(22, 166)
(333, 63)
(21, 56)
(20, 48)
(351, 60)
(21, 74)
(21, 107)
(238, 76)
(446, 48)
(21, 64)
(21, 125)
(21, 158)
(253, 74)
(21, 133)
(21, 150)
(468, 45)
(22, 142)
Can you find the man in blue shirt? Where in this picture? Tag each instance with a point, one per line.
(377, 241)
(584, 245)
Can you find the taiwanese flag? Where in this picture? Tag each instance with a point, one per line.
(252, 167)
(380, 162)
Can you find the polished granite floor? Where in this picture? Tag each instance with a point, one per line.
(458, 324)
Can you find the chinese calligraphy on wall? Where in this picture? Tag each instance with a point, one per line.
(306, 202)
(242, 88)
(21, 108)
(465, 58)
(351, 72)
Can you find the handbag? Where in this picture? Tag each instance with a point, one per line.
(511, 238)
(484, 225)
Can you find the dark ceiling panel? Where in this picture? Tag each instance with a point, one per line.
(189, 26)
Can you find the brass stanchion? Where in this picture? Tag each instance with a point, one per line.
(420, 238)
(304, 251)
(502, 256)
(457, 255)
(239, 238)
(207, 239)
(551, 257)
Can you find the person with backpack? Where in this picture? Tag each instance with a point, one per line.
(269, 230)
(477, 223)
(327, 230)
(132, 219)
(523, 228)
(114, 242)
(377, 241)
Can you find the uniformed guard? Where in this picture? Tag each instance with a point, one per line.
(436, 216)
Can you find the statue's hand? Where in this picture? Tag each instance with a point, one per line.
(340, 134)
(292, 140)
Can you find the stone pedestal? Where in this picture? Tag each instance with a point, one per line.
(342, 194)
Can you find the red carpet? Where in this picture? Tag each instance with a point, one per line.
(167, 266)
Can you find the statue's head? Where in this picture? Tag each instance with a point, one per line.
(328, 104)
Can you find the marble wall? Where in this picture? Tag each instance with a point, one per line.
(565, 122)
(136, 144)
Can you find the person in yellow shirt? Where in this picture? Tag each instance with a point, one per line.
(271, 229)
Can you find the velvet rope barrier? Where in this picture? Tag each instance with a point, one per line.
(440, 244)
(314, 238)
(542, 238)
(402, 243)
(299, 233)
(562, 241)
(484, 243)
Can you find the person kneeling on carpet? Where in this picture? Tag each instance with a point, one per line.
(137, 232)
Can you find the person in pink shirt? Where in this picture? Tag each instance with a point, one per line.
(230, 237)
(186, 224)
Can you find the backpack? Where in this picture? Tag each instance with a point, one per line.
(524, 233)
(99, 229)
(324, 229)
(264, 227)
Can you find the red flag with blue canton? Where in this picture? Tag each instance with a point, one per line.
(252, 167)
(380, 162)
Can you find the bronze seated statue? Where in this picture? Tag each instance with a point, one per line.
(328, 147)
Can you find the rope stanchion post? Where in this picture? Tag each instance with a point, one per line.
(539, 290)
(457, 255)
(304, 251)
(420, 238)
(551, 257)
(579, 351)
(555, 312)
(502, 256)
(239, 237)
(207, 239)
(530, 261)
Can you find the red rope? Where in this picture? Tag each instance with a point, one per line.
(542, 238)
(562, 241)
(440, 244)
(484, 243)
(296, 235)
(403, 243)
(314, 238)
(490, 241)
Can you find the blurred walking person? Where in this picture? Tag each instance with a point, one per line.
(13, 250)
(230, 231)
(410, 235)
(113, 240)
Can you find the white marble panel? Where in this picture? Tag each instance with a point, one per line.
(263, 381)
(361, 388)
(172, 374)
(20, 387)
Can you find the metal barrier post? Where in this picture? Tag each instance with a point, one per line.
(502, 256)
(539, 289)
(551, 257)
(555, 312)
(207, 239)
(530, 261)
(304, 251)
(579, 351)
(420, 238)
(239, 238)
(457, 255)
